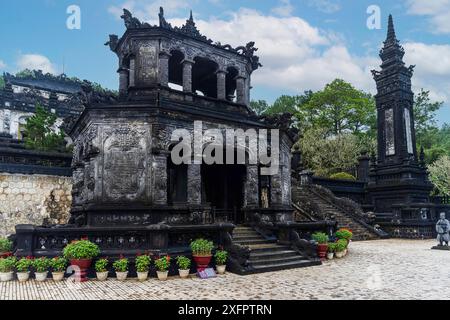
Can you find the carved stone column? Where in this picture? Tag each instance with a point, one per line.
(241, 93)
(164, 68)
(132, 72)
(123, 81)
(194, 184)
(252, 186)
(221, 84)
(159, 168)
(187, 75)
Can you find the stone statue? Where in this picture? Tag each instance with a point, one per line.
(443, 229)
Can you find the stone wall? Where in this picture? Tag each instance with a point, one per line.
(33, 199)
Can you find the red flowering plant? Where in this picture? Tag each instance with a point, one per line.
(121, 265)
(163, 263)
(81, 249)
(24, 264)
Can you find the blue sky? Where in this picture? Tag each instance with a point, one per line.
(304, 44)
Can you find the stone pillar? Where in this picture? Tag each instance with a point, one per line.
(160, 179)
(194, 184)
(241, 93)
(123, 81)
(164, 68)
(187, 75)
(221, 84)
(363, 168)
(132, 73)
(252, 187)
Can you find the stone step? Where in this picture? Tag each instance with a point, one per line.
(246, 237)
(253, 242)
(267, 248)
(268, 256)
(277, 261)
(287, 265)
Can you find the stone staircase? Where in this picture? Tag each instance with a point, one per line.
(266, 255)
(323, 207)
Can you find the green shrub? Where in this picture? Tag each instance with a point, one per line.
(320, 237)
(5, 245)
(332, 247)
(7, 264)
(341, 245)
(202, 247)
(101, 265)
(143, 263)
(24, 264)
(163, 263)
(58, 264)
(221, 257)
(41, 264)
(344, 233)
(121, 265)
(343, 176)
(81, 249)
(183, 263)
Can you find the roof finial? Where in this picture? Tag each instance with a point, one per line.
(391, 30)
(191, 18)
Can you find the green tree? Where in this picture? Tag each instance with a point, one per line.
(425, 114)
(2, 82)
(440, 175)
(40, 132)
(259, 106)
(340, 108)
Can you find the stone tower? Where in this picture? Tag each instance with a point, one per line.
(397, 176)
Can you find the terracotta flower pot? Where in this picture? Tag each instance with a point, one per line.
(184, 273)
(202, 261)
(58, 276)
(81, 267)
(23, 276)
(322, 250)
(4, 254)
(102, 276)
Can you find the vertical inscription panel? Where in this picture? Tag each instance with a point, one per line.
(124, 164)
(407, 119)
(389, 131)
(147, 63)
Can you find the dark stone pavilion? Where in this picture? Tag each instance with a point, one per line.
(128, 194)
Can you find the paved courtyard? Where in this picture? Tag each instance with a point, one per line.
(384, 269)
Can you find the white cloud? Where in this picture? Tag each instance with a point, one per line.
(285, 8)
(2, 65)
(326, 6)
(36, 62)
(438, 12)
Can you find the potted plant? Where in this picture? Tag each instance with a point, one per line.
(142, 264)
(7, 268)
(41, 266)
(341, 245)
(184, 266)
(121, 268)
(58, 265)
(5, 248)
(23, 266)
(162, 267)
(101, 269)
(80, 254)
(201, 252)
(322, 243)
(221, 257)
(331, 250)
(344, 233)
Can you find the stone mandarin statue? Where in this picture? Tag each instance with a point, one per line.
(442, 229)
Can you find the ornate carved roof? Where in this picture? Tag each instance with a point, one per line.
(189, 29)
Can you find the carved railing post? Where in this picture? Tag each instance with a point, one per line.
(187, 75)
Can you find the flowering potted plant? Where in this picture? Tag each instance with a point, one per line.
(5, 248)
(162, 266)
(341, 245)
(201, 252)
(184, 266)
(7, 268)
(142, 264)
(121, 268)
(58, 265)
(23, 266)
(101, 268)
(41, 266)
(221, 261)
(322, 243)
(331, 250)
(80, 254)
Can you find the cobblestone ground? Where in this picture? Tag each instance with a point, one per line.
(384, 269)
